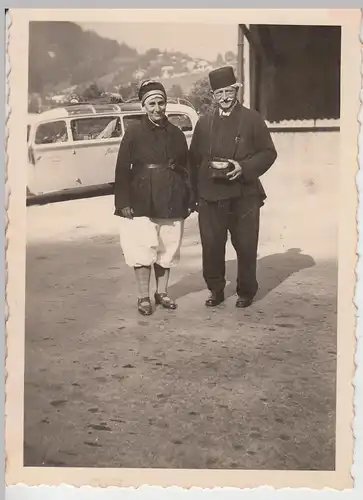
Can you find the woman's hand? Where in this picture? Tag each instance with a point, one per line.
(127, 212)
(193, 207)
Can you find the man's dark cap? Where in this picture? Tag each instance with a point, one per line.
(222, 77)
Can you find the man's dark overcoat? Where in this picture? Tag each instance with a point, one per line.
(242, 136)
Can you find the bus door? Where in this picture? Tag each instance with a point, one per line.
(50, 158)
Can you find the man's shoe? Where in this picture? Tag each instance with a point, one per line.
(214, 299)
(244, 302)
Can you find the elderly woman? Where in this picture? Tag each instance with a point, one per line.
(152, 196)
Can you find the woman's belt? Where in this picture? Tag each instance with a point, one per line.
(164, 166)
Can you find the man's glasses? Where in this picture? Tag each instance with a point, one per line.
(218, 94)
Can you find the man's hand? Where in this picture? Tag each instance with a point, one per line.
(127, 212)
(236, 172)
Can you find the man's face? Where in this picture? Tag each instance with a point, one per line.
(226, 97)
(155, 108)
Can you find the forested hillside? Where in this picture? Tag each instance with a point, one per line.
(62, 53)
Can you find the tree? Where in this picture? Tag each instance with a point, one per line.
(92, 92)
(230, 56)
(34, 103)
(219, 60)
(152, 53)
(129, 91)
(176, 91)
(201, 96)
(154, 70)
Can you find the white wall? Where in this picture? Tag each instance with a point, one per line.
(302, 189)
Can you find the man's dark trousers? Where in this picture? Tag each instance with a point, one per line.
(241, 217)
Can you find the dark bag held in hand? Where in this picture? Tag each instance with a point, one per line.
(219, 168)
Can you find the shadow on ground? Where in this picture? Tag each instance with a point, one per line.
(272, 270)
(219, 390)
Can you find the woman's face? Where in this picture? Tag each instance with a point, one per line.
(155, 108)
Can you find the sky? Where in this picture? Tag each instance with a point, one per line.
(196, 40)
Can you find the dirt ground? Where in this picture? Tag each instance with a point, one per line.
(192, 388)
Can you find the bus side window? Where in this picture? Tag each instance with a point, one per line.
(49, 133)
(182, 121)
(96, 128)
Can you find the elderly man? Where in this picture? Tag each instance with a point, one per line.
(230, 149)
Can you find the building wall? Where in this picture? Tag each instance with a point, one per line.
(299, 77)
(308, 168)
(302, 187)
(303, 156)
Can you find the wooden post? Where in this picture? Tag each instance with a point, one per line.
(244, 67)
(240, 63)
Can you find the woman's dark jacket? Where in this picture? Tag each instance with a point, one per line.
(242, 136)
(159, 192)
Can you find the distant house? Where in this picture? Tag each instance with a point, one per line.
(69, 90)
(138, 74)
(203, 65)
(291, 73)
(167, 71)
(59, 98)
(178, 75)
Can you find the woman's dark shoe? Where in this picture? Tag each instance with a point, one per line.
(144, 306)
(243, 302)
(214, 299)
(164, 300)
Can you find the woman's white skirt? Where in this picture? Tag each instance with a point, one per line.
(146, 241)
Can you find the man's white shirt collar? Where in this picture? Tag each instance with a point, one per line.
(226, 113)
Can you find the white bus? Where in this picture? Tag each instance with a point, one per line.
(76, 146)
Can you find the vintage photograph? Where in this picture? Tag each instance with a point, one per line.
(207, 384)
(183, 210)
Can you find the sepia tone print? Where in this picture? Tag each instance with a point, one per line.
(149, 344)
